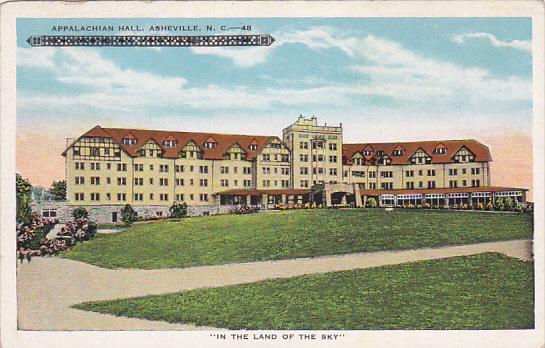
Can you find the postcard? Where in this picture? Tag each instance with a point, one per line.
(280, 174)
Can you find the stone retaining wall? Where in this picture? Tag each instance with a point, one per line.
(104, 213)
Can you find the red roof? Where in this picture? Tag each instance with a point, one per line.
(442, 190)
(142, 136)
(481, 152)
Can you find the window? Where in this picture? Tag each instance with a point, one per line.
(121, 167)
(285, 183)
(266, 183)
(79, 196)
(358, 174)
(453, 183)
(179, 182)
(210, 145)
(367, 152)
(440, 150)
(95, 151)
(253, 147)
(121, 197)
(409, 185)
(49, 213)
(80, 165)
(163, 168)
(452, 171)
(139, 181)
(285, 158)
(386, 174)
(303, 170)
(163, 196)
(476, 183)
(464, 171)
(431, 184)
(398, 152)
(475, 171)
(95, 196)
(464, 183)
(203, 197)
(151, 196)
(203, 169)
(138, 167)
(333, 171)
(332, 146)
(409, 173)
(151, 181)
(180, 197)
(285, 171)
(386, 185)
(303, 158)
(224, 183)
(95, 180)
(151, 167)
(108, 181)
(163, 182)
(247, 183)
(372, 175)
(333, 159)
(247, 170)
(372, 186)
(266, 157)
(304, 183)
(303, 145)
(224, 170)
(170, 143)
(138, 196)
(129, 141)
(80, 180)
(121, 181)
(431, 172)
(108, 166)
(203, 182)
(95, 166)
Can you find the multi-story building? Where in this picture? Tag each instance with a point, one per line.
(107, 168)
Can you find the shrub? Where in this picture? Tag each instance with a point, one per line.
(23, 190)
(178, 210)
(371, 203)
(509, 203)
(128, 215)
(80, 213)
(244, 209)
(499, 204)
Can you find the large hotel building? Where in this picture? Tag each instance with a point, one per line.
(107, 168)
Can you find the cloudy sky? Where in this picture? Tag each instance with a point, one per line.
(388, 79)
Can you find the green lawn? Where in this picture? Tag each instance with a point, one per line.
(485, 291)
(269, 236)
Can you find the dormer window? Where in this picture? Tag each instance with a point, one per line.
(398, 151)
(129, 141)
(440, 149)
(367, 152)
(210, 143)
(380, 152)
(385, 161)
(170, 141)
(142, 153)
(253, 145)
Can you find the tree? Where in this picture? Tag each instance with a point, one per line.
(58, 190)
(23, 190)
(80, 213)
(128, 215)
(178, 210)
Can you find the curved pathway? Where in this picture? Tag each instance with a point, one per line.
(47, 287)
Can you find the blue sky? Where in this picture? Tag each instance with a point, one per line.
(385, 79)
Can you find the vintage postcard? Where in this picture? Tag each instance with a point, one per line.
(276, 174)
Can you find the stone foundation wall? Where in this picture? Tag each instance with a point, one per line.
(103, 214)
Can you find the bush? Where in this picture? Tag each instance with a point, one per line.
(244, 209)
(80, 213)
(499, 204)
(128, 215)
(509, 203)
(178, 210)
(371, 203)
(23, 190)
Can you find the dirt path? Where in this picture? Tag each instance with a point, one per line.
(48, 286)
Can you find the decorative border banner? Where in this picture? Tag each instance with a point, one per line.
(150, 40)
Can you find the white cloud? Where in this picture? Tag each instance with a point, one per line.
(387, 69)
(525, 45)
(316, 38)
(400, 73)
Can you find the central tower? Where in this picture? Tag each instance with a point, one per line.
(316, 152)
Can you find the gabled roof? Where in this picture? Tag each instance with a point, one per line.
(224, 141)
(481, 152)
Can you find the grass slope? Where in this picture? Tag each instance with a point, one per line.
(485, 291)
(269, 236)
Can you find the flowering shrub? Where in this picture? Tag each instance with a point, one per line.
(243, 209)
(32, 241)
